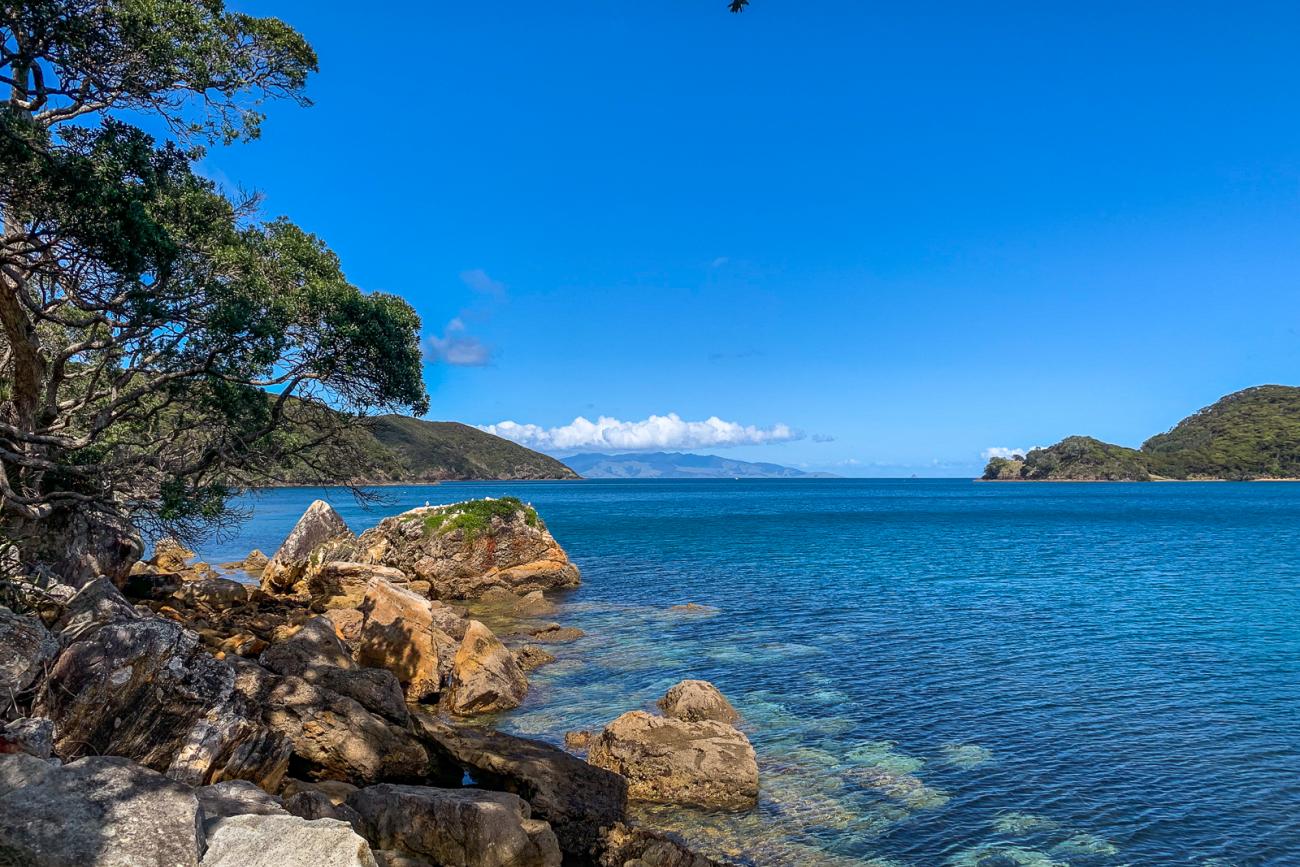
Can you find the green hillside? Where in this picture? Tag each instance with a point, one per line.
(437, 450)
(1247, 435)
(394, 448)
(1250, 434)
(1073, 459)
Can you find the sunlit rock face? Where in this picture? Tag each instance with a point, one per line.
(466, 549)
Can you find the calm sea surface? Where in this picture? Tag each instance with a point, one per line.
(939, 672)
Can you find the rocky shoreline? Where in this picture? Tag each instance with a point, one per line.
(331, 712)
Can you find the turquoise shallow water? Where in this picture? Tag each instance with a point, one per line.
(940, 672)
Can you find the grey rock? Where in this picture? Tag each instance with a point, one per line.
(26, 648)
(464, 827)
(144, 688)
(213, 593)
(314, 644)
(236, 798)
(96, 812)
(31, 735)
(285, 841)
(318, 805)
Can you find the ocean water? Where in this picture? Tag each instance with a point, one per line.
(938, 672)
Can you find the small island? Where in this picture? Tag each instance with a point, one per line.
(1249, 435)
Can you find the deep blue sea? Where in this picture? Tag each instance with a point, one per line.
(939, 672)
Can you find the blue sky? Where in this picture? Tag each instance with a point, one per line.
(907, 234)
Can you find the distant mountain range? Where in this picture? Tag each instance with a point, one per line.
(675, 465)
(1250, 434)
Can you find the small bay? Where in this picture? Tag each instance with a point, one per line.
(936, 671)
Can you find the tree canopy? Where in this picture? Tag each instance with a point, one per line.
(162, 345)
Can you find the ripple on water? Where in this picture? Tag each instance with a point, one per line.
(1023, 823)
(993, 855)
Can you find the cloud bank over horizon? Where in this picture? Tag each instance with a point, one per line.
(656, 433)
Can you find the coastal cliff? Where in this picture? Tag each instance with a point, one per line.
(1252, 434)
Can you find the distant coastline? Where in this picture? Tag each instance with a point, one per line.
(1250, 435)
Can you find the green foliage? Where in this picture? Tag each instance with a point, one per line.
(1003, 469)
(144, 315)
(1252, 434)
(474, 517)
(1085, 458)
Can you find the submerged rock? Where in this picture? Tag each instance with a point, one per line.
(465, 549)
(318, 525)
(485, 676)
(639, 847)
(285, 841)
(702, 764)
(530, 656)
(554, 633)
(695, 700)
(95, 812)
(468, 827)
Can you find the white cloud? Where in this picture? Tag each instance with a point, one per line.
(656, 433)
(457, 348)
(478, 280)
(1004, 452)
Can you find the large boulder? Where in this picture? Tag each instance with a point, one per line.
(100, 811)
(26, 648)
(144, 688)
(701, 764)
(332, 736)
(399, 634)
(215, 593)
(317, 655)
(579, 801)
(343, 583)
(485, 677)
(236, 798)
(318, 525)
(465, 549)
(696, 700)
(285, 841)
(464, 827)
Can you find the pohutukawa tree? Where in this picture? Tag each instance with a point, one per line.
(160, 348)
